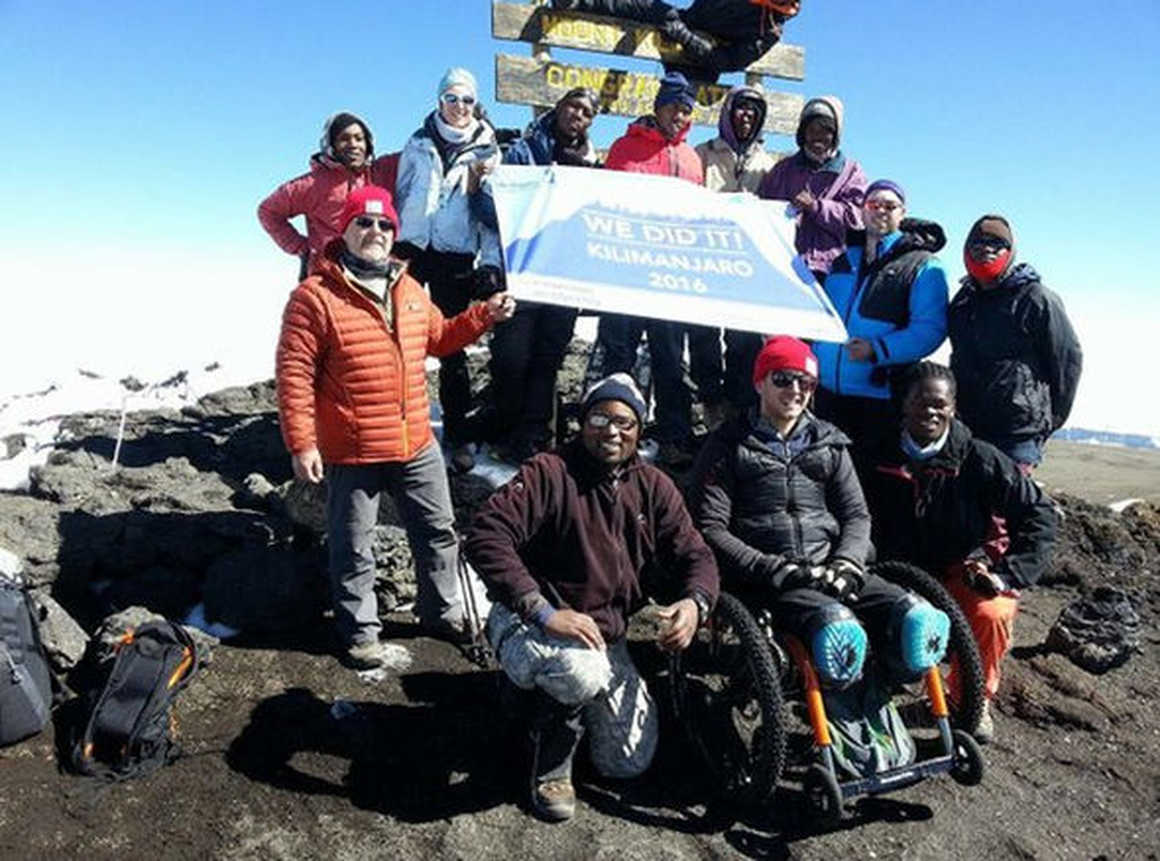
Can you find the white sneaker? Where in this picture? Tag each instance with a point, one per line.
(985, 732)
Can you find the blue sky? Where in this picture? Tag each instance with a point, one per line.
(140, 137)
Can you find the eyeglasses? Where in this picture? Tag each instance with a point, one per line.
(989, 243)
(454, 99)
(785, 379)
(384, 224)
(882, 205)
(599, 421)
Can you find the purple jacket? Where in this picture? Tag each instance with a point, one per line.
(838, 185)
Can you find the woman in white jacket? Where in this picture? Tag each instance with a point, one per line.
(450, 250)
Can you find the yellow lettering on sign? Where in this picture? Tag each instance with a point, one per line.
(554, 75)
(586, 33)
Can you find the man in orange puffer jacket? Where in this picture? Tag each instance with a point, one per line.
(352, 393)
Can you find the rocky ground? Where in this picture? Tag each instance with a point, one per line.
(291, 755)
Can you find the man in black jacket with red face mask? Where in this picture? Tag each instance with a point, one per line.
(744, 29)
(1013, 350)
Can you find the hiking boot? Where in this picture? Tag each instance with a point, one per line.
(456, 633)
(674, 455)
(376, 655)
(985, 732)
(462, 457)
(554, 800)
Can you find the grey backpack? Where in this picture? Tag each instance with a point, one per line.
(25, 685)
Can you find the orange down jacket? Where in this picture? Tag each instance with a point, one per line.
(353, 383)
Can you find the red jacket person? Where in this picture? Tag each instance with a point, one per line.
(352, 394)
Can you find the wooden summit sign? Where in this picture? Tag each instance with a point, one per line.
(520, 22)
(541, 80)
(541, 83)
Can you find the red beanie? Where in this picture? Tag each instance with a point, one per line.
(784, 353)
(368, 200)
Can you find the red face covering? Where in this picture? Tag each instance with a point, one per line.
(985, 273)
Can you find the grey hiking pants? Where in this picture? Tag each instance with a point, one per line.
(580, 689)
(419, 488)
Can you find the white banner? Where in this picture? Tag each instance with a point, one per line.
(656, 247)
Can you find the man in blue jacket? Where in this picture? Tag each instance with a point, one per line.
(528, 350)
(891, 292)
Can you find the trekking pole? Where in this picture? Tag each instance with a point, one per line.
(476, 652)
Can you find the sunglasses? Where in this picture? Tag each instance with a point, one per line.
(384, 224)
(599, 421)
(453, 99)
(989, 243)
(785, 379)
(882, 205)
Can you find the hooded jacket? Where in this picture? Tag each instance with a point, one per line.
(538, 144)
(762, 503)
(730, 164)
(352, 381)
(838, 187)
(1015, 355)
(940, 512)
(898, 303)
(434, 206)
(643, 149)
(320, 195)
(569, 532)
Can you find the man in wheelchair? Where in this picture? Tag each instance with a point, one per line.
(776, 497)
(562, 548)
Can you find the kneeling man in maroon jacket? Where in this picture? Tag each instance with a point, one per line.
(564, 548)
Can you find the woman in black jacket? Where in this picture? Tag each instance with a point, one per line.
(961, 509)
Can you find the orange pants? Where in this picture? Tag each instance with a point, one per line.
(992, 621)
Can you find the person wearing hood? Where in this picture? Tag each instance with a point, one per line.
(564, 548)
(528, 350)
(352, 406)
(734, 161)
(962, 510)
(742, 31)
(450, 248)
(1013, 350)
(776, 496)
(344, 162)
(891, 292)
(656, 144)
(824, 187)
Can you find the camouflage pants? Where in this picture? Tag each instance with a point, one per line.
(616, 708)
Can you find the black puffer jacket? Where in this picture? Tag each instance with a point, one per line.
(761, 504)
(939, 512)
(1016, 358)
(746, 30)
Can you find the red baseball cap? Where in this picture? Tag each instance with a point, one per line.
(784, 353)
(368, 200)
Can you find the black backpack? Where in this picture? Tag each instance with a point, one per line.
(25, 685)
(130, 728)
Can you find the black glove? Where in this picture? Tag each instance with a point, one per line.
(795, 574)
(844, 580)
(486, 282)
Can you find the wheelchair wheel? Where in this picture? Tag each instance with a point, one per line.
(968, 768)
(823, 794)
(726, 692)
(962, 649)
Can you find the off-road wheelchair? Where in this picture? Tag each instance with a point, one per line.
(752, 707)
